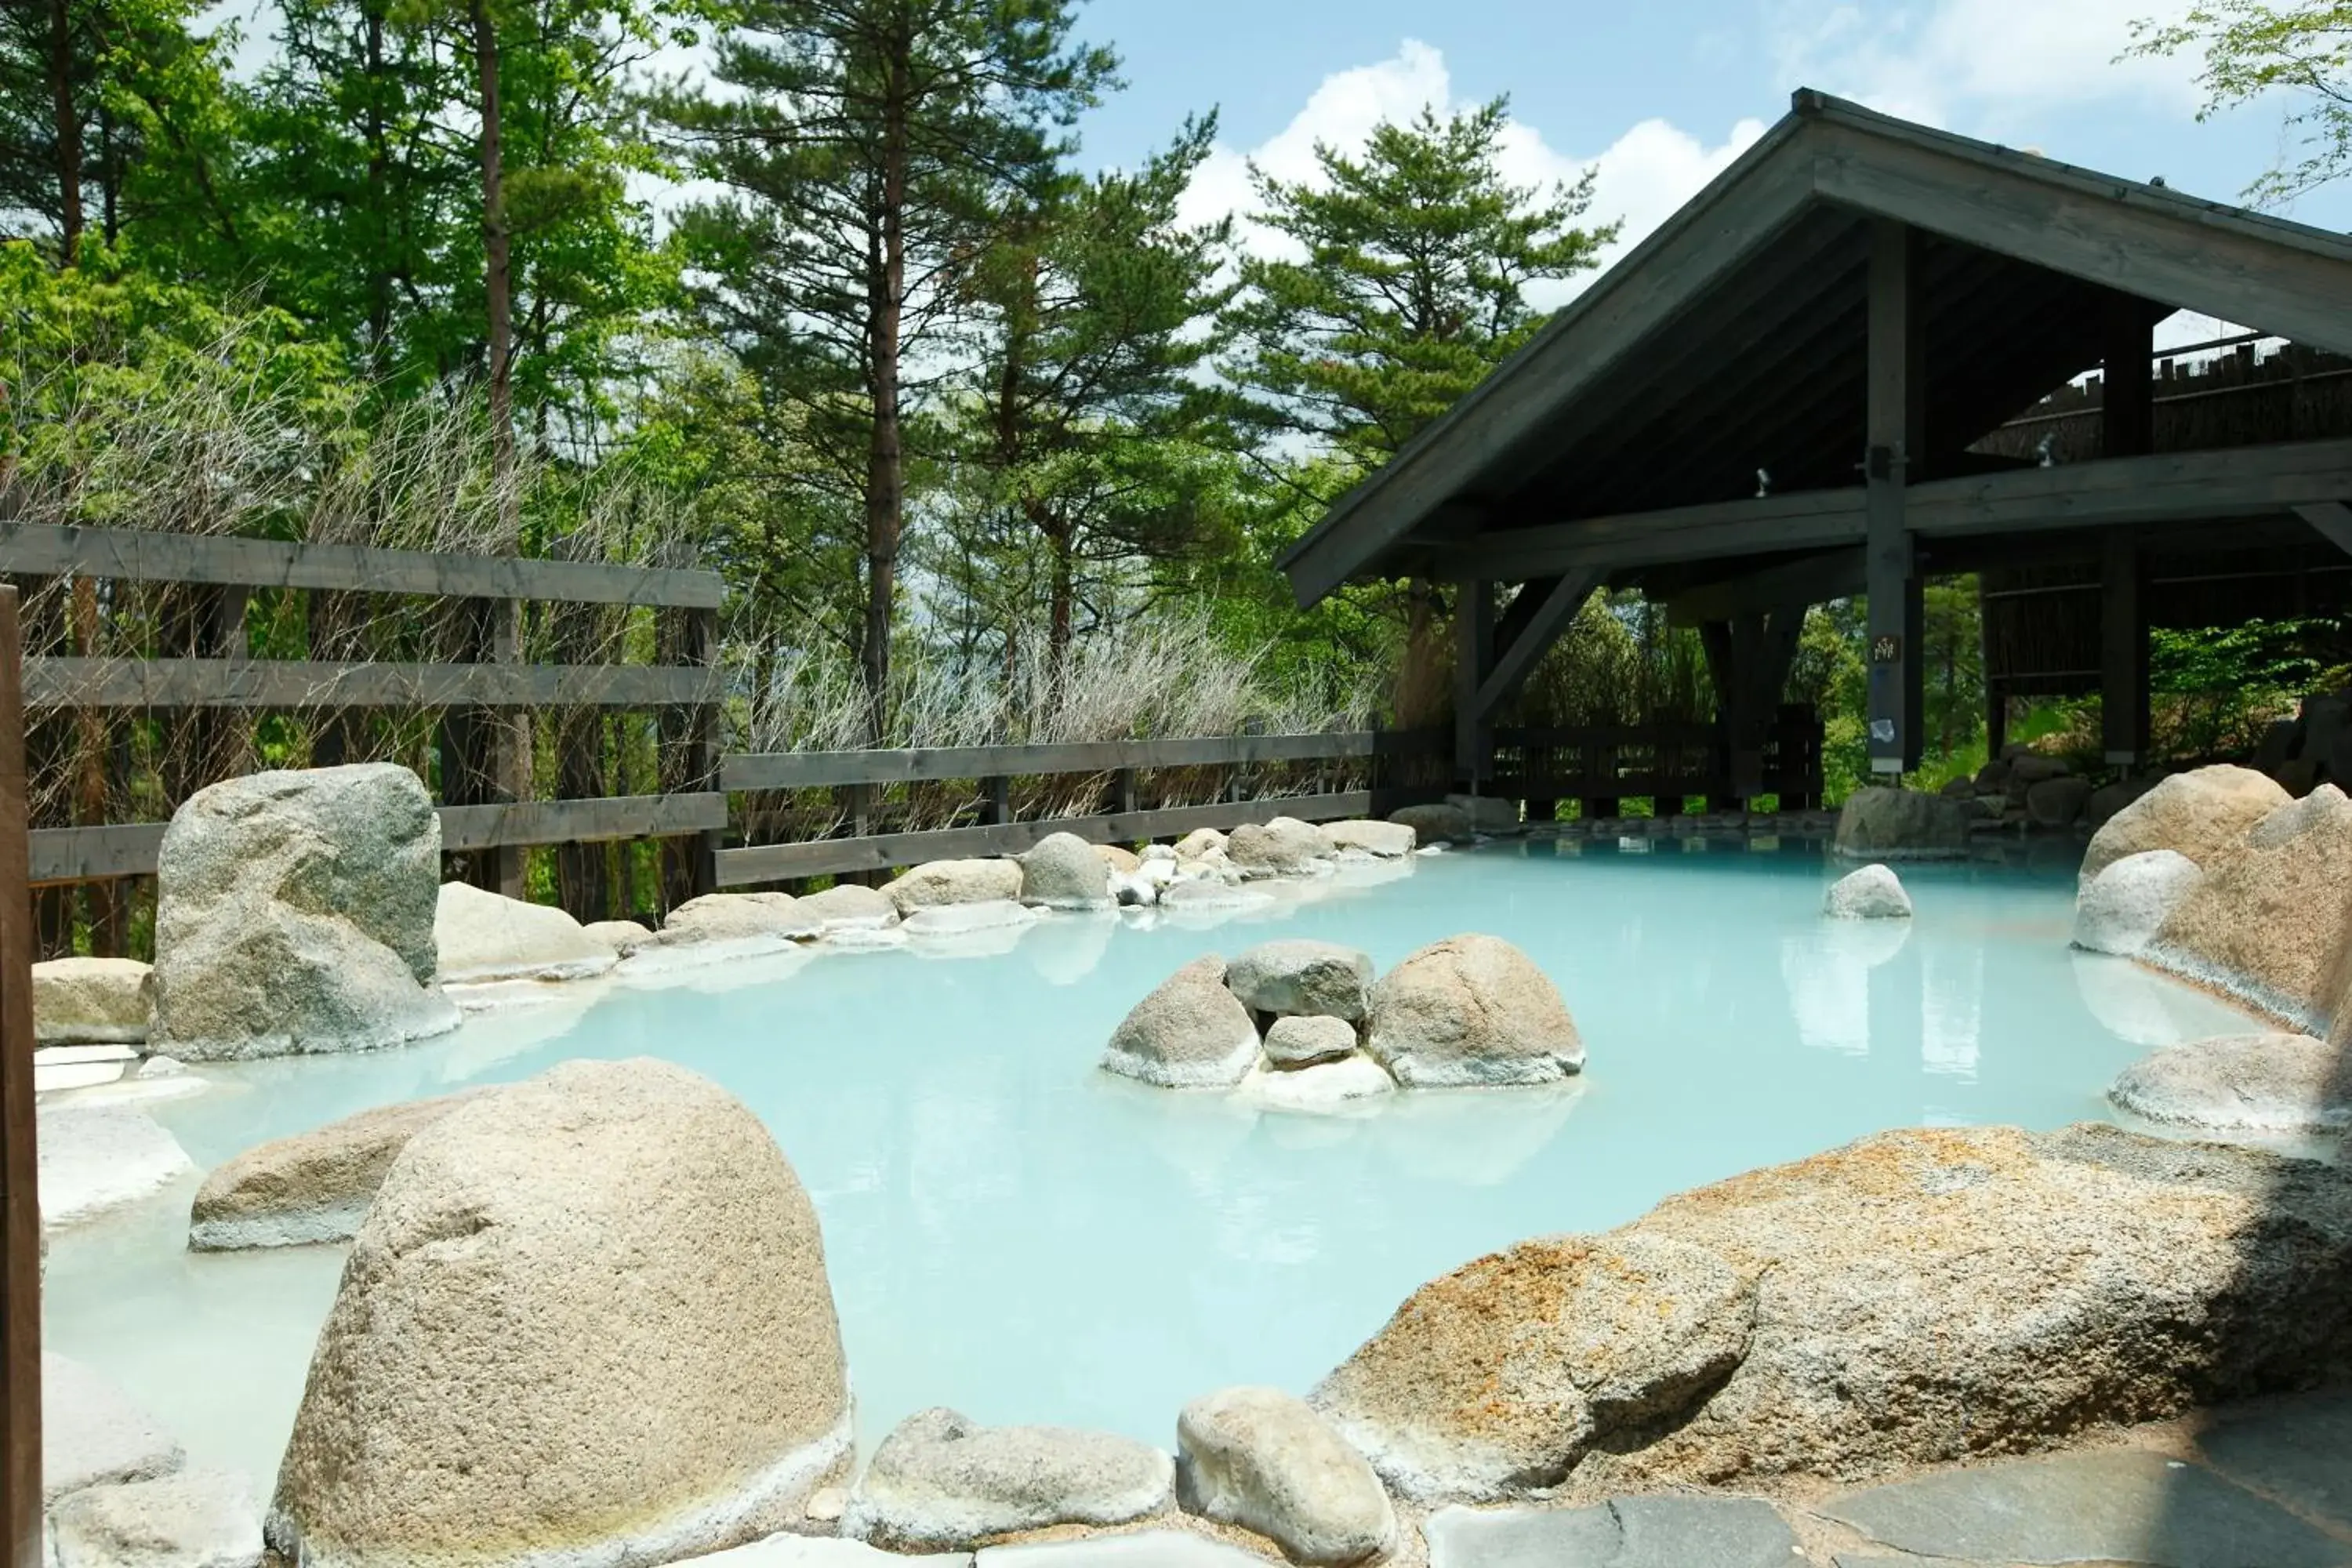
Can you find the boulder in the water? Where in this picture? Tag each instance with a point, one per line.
(2123, 909)
(1882, 824)
(1435, 823)
(1300, 974)
(2058, 802)
(1920, 1297)
(941, 882)
(98, 1157)
(588, 1311)
(1471, 1010)
(1189, 1032)
(313, 1186)
(1062, 871)
(1265, 1460)
(91, 1001)
(940, 1481)
(2267, 921)
(1285, 847)
(1872, 893)
(1304, 1039)
(732, 921)
(195, 1519)
(846, 906)
(1388, 840)
(2200, 814)
(2249, 1083)
(294, 911)
(93, 1435)
(482, 936)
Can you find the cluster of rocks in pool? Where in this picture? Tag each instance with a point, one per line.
(1304, 1024)
(2223, 877)
(1916, 1298)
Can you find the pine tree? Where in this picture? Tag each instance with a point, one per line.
(867, 148)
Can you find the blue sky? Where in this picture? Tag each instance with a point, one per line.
(1661, 93)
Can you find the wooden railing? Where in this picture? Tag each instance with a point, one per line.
(1602, 766)
(110, 652)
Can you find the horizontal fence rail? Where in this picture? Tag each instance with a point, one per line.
(74, 682)
(130, 849)
(817, 770)
(45, 549)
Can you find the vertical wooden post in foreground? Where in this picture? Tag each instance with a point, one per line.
(20, 1211)
(1896, 438)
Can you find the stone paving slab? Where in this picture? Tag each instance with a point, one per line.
(1624, 1532)
(2125, 1507)
(1151, 1549)
(2299, 1450)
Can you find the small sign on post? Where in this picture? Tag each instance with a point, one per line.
(1886, 647)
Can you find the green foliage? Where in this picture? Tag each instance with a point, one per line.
(2218, 688)
(1417, 258)
(2255, 49)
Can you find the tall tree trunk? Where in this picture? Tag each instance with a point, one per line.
(886, 457)
(379, 324)
(1062, 594)
(497, 276)
(68, 127)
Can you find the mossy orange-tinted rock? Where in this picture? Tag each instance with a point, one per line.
(1917, 1297)
(2268, 920)
(1471, 1010)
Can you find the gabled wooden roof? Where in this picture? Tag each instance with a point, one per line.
(1732, 340)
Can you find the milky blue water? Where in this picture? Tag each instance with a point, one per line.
(1014, 1234)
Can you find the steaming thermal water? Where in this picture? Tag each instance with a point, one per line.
(1014, 1234)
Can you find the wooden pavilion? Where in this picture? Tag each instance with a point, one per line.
(1824, 376)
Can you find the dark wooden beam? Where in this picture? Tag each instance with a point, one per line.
(2159, 244)
(1809, 580)
(1895, 426)
(1474, 660)
(2333, 519)
(2128, 379)
(39, 549)
(20, 1206)
(1552, 604)
(2122, 652)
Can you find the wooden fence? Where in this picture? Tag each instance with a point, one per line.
(171, 634)
(1600, 767)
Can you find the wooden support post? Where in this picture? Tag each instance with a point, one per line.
(1122, 789)
(702, 743)
(20, 1208)
(2127, 390)
(2122, 652)
(510, 749)
(1473, 657)
(999, 810)
(1894, 436)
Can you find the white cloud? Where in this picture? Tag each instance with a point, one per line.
(1988, 67)
(1638, 179)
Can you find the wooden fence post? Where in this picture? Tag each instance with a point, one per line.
(702, 740)
(20, 1209)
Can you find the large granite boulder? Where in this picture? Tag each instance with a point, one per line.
(195, 1519)
(733, 921)
(1919, 1297)
(586, 1320)
(294, 912)
(1062, 871)
(955, 882)
(846, 906)
(1191, 1032)
(2198, 814)
(2110, 798)
(623, 937)
(94, 1158)
(941, 1481)
(1388, 840)
(93, 1435)
(2122, 910)
(91, 1001)
(1285, 847)
(1435, 823)
(2266, 921)
(1200, 842)
(1872, 893)
(1882, 824)
(2058, 802)
(2248, 1083)
(1300, 975)
(1471, 1010)
(310, 1187)
(1265, 1460)
(482, 936)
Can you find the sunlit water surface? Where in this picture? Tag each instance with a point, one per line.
(1014, 1234)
